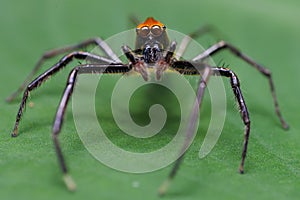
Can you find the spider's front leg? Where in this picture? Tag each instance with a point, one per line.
(112, 57)
(54, 69)
(86, 69)
(235, 84)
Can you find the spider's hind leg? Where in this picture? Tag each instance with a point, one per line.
(264, 71)
(187, 67)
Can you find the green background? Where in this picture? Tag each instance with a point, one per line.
(266, 30)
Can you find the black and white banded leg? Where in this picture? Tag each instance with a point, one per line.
(82, 69)
(235, 84)
(111, 56)
(224, 45)
(51, 71)
(205, 75)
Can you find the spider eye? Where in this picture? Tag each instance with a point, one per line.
(144, 31)
(156, 30)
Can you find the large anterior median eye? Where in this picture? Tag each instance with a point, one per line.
(144, 31)
(156, 30)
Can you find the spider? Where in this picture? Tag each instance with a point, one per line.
(154, 50)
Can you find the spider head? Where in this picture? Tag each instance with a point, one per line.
(151, 33)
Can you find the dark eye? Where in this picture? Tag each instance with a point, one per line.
(144, 31)
(156, 30)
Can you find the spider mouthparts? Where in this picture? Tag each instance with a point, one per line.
(158, 74)
(145, 76)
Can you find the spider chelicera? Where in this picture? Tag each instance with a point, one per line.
(153, 49)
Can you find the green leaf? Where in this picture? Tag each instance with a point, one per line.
(267, 31)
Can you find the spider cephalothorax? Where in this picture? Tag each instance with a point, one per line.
(151, 33)
(152, 45)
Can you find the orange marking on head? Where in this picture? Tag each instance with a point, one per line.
(149, 22)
